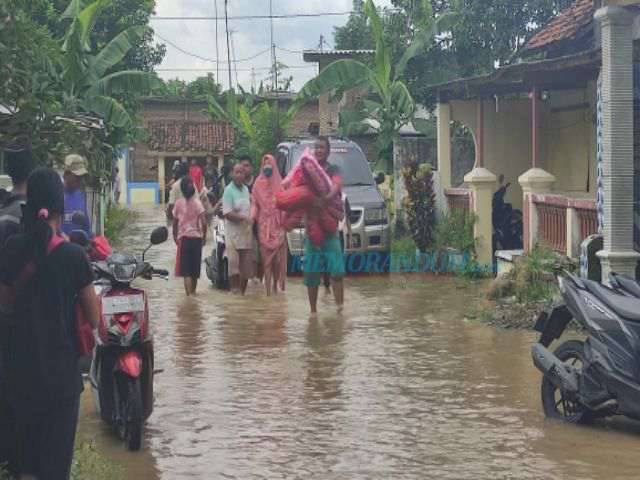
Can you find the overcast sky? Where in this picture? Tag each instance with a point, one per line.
(250, 38)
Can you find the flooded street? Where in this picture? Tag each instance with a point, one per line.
(397, 386)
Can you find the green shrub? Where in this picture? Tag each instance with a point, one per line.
(117, 220)
(403, 246)
(456, 231)
(419, 204)
(88, 463)
(4, 475)
(533, 276)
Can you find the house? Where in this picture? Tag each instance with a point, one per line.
(558, 126)
(177, 129)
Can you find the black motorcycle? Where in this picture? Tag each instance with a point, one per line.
(599, 376)
(507, 222)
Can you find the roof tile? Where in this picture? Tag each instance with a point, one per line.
(566, 25)
(177, 136)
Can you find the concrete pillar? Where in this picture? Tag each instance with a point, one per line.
(482, 184)
(617, 140)
(573, 233)
(533, 181)
(444, 144)
(161, 178)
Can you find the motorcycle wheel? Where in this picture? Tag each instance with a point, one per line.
(554, 402)
(131, 424)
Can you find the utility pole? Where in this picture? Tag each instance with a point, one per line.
(226, 26)
(233, 54)
(274, 79)
(215, 9)
(253, 80)
(321, 41)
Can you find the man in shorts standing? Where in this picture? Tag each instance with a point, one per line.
(327, 258)
(238, 227)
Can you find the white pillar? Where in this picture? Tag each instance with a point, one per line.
(617, 140)
(533, 181)
(444, 144)
(482, 184)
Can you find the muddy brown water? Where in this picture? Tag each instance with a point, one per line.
(397, 386)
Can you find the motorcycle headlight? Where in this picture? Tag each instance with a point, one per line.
(123, 273)
(375, 216)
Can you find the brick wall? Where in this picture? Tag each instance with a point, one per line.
(307, 115)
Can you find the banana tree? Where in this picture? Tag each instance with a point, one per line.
(259, 125)
(89, 83)
(386, 104)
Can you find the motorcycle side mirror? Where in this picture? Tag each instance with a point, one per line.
(159, 235)
(380, 178)
(80, 219)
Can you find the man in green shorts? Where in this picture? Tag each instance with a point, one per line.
(327, 258)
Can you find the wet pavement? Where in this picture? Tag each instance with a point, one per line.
(397, 386)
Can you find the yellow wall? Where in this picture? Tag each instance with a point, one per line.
(507, 138)
(143, 196)
(567, 140)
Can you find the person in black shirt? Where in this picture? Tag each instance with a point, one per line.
(42, 278)
(19, 163)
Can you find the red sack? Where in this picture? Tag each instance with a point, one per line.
(295, 198)
(314, 231)
(293, 219)
(336, 213)
(328, 223)
(315, 175)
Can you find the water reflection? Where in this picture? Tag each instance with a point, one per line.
(398, 386)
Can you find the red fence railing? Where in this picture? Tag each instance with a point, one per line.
(552, 219)
(588, 218)
(458, 199)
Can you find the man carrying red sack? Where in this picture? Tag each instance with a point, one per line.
(327, 257)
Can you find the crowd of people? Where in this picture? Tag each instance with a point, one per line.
(255, 235)
(44, 279)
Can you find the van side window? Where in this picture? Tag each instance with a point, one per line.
(281, 160)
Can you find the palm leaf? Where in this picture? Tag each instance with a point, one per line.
(382, 56)
(116, 50)
(112, 111)
(341, 75)
(401, 100)
(73, 9)
(352, 122)
(133, 81)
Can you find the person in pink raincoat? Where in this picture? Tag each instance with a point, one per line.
(270, 221)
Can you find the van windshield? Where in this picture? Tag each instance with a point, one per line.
(354, 168)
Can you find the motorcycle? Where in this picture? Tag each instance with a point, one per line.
(216, 264)
(507, 222)
(122, 366)
(600, 376)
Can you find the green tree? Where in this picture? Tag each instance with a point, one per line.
(386, 104)
(259, 126)
(114, 18)
(355, 34)
(87, 83)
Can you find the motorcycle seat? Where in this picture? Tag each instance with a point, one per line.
(626, 307)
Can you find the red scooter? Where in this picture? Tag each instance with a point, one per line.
(121, 372)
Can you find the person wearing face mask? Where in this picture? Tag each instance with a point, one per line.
(270, 222)
(190, 234)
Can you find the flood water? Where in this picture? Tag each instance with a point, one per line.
(397, 386)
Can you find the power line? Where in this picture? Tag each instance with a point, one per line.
(266, 69)
(289, 50)
(206, 59)
(262, 17)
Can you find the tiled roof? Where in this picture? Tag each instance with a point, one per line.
(180, 136)
(565, 26)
